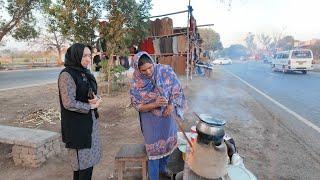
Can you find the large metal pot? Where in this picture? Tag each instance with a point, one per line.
(210, 130)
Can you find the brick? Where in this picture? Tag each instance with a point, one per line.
(35, 165)
(22, 156)
(24, 150)
(27, 159)
(36, 156)
(17, 161)
(16, 149)
(16, 158)
(26, 163)
(32, 151)
(15, 154)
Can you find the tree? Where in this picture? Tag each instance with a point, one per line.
(250, 43)
(77, 20)
(21, 21)
(136, 20)
(286, 43)
(276, 36)
(211, 39)
(235, 51)
(316, 50)
(127, 25)
(265, 40)
(52, 38)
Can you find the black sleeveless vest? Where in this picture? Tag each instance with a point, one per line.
(76, 128)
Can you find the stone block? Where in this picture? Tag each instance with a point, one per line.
(5, 140)
(50, 147)
(42, 159)
(46, 151)
(57, 149)
(51, 153)
(41, 148)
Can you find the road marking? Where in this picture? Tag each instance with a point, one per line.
(302, 119)
(30, 85)
(28, 70)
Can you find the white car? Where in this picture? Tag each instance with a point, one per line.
(222, 61)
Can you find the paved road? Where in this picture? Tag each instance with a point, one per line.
(25, 78)
(298, 92)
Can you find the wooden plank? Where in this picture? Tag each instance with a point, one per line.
(131, 151)
(144, 170)
(120, 168)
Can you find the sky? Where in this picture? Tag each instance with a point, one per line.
(289, 17)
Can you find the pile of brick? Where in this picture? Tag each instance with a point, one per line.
(31, 156)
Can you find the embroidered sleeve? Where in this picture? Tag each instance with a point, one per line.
(135, 103)
(67, 89)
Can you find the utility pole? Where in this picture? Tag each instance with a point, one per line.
(188, 44)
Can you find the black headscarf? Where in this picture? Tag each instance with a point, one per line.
(74, 55)
(73, 59)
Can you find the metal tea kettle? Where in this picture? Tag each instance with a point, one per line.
(210, 130)
(209, 157)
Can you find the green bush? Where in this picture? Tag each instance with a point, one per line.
(116, 75)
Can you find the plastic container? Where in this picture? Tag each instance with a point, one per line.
(183, 148)
(182, 143)
(193, 133)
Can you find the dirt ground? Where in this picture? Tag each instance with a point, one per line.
(270, 149)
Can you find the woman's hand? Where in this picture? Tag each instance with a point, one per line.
(168, 110)
(161, 101)
(95, 103)
(94, 100)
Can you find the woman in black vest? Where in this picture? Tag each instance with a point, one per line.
(79, 103)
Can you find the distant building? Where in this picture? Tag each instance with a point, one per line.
(305, 44)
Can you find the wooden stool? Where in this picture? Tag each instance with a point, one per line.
(131, 153)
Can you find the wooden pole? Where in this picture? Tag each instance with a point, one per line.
(179, 12)
(188, 44)
(180, 125)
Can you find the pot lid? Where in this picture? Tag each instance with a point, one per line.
(211, 120)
